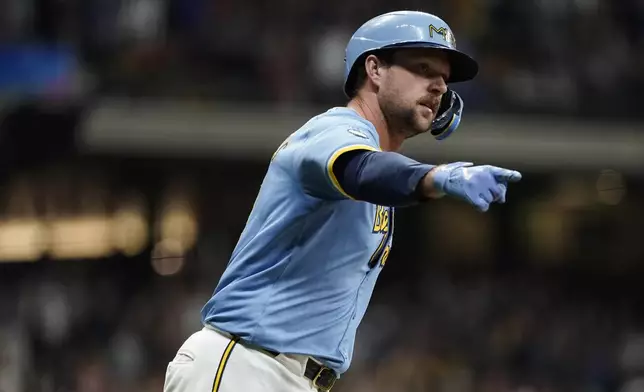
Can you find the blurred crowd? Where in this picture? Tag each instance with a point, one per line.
(500, 333)
(106, 326)
(580, 57)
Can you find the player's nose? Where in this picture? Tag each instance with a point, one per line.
(438, 86)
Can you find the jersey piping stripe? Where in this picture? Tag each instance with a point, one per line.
(335, 156)
(222, 364)
(376, 255)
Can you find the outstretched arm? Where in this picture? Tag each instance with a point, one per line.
(391, 179)
(384, 178)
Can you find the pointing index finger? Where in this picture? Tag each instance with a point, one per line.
(506, 175)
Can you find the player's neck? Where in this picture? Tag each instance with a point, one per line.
(368, 108)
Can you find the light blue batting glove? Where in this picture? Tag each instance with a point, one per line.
(477, 185)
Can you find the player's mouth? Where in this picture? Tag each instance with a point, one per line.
(430, 103)
(430, 107)
(427, 109)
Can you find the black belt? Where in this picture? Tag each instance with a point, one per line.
(322, 377)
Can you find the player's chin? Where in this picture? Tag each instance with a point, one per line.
(425, 112)
(417, 129)
(423, 123)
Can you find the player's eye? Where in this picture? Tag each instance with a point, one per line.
(427, 71)
(430, 72)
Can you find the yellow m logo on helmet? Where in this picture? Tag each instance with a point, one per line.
(444, 32)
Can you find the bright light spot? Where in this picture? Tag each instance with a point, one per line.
(168, 257)
(130, 230)
(22, 240)
(610, 187)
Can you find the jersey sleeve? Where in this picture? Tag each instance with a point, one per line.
(314, 159)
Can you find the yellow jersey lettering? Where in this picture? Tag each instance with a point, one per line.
(381, 220)
(385, 220)
(385, 256)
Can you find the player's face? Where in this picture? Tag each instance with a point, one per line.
(411, 92)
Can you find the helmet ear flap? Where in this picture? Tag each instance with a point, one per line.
(449, 115)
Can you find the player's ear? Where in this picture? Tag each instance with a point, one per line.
(374, 69)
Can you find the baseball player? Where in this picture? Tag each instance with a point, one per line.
(285, 312)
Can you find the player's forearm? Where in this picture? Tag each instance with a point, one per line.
(385, 178)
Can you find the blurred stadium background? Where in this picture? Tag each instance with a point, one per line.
(134, 135)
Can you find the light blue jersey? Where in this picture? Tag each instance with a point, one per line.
(303, 271)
